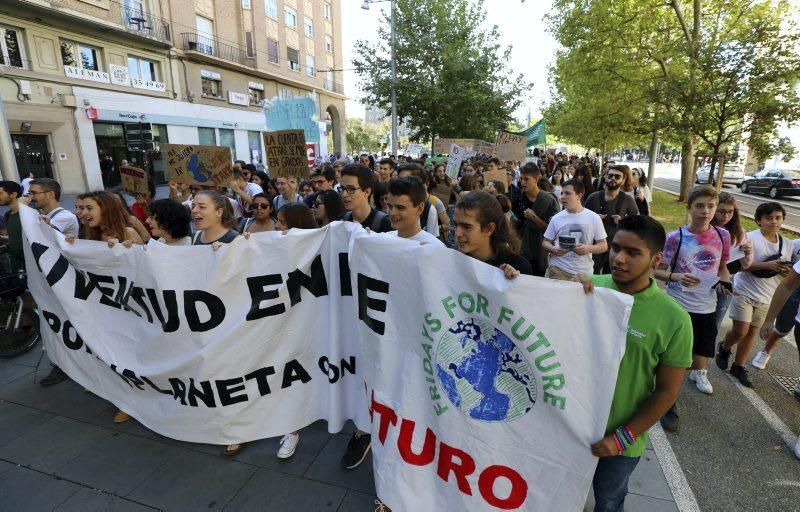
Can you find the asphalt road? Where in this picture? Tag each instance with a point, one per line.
(735, 447)
(747, 202)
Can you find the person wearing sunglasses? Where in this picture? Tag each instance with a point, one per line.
(328, 207)
(262, 219)
(611, 206)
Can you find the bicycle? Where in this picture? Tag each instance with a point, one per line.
(16, 339)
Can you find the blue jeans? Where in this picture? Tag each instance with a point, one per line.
(723, 303)
(611, 482)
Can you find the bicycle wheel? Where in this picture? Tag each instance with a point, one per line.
(15, 342)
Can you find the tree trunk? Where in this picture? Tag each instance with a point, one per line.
(720, 172)
(651, 164)
(687, 168)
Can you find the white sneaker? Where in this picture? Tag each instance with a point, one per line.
(700, 378)
(761, 360)
(288, 445)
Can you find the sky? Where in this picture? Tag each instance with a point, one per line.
(521, 25)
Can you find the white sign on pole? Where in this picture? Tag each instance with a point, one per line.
(454, 160)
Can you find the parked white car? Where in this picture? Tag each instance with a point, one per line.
(734, 175)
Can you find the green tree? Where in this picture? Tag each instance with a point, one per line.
(452, 79)
(704, 74)
(361, 137)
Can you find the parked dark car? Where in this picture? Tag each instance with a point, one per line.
(773, 182)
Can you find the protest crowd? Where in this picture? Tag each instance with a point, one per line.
(554, 215)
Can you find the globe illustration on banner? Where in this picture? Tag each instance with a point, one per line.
(483, 373)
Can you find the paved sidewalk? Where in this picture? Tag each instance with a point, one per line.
(60, 451)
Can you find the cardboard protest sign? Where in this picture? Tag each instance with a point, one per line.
(134, 180)
(286, 154)
(510, 146)
(499, 175)
(199, 165)
(454, 160)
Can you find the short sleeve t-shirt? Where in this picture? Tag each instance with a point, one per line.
(659, 332)
(700, 255)
(64, 221)
(569, 230)
(424, 238)
(757, 288)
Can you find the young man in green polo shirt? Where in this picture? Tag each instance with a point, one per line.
(658, 350)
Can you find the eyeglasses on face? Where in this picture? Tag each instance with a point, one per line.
(261, 206)
(614, 177)
(350, 190)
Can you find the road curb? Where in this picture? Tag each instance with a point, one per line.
(791, 229)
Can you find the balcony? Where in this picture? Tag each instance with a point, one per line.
(144, 24)
(204, 45)
(134, 22)
(333, 86)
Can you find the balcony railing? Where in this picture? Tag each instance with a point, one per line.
(133, 21)
(333, 86)
(144, 24)
(195, 42)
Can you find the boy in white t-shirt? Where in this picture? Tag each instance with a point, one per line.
(406, 204)
(753, 288)
(573, 235)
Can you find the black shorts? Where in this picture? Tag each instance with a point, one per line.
(704, 329)
(785, 320)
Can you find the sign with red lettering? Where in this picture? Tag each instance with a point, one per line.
(481, 399)
(134, 180)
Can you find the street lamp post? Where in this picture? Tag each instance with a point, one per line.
(393, 44)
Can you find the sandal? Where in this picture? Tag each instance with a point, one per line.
(232, 449)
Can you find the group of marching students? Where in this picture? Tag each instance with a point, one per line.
(556, 216)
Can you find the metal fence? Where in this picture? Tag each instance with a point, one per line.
(210, 46)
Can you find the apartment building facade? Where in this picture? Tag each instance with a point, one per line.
(88, 83)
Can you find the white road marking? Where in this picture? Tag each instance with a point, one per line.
(681, 491)
(769, 416)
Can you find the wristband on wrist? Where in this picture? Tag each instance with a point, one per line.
(669, 277)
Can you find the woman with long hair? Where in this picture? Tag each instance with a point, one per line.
(557, 180)
(484, 232)
(328, 207)
(468, 183)
(293, 215)
(641, 192)
(584, 174)
(262, 219)
(296, 215)
(727, 217)
(105, 220)
(212, 214)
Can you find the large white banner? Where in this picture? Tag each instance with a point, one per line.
(483, 393)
